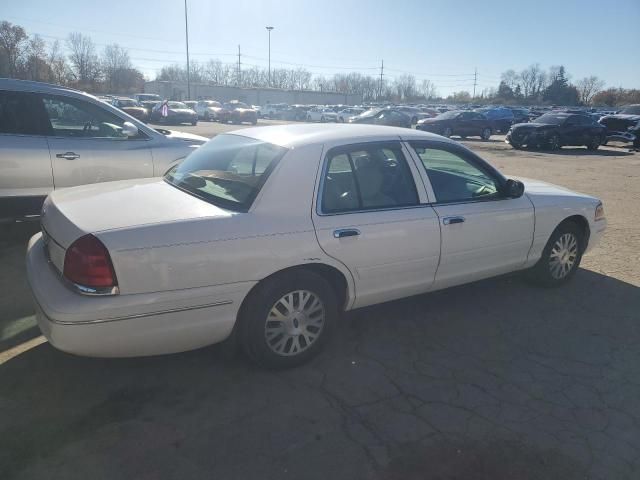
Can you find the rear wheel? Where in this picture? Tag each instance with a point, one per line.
(287, 320)
(447, 132)
(561, 256)
(486, 133)
(322, 119)
(594, 144)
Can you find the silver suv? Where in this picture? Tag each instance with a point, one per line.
(54, 137)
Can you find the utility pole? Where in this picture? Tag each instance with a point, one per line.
(475, 81)
(186, 33)
(239, 74)
(269, 30)
(381, 74)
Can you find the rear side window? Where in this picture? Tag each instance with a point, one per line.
(366, 177)
(227, 171)
(21, 113)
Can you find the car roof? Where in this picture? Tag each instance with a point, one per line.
(30, 86)
(292, 136)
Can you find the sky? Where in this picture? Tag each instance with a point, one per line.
(443, 41)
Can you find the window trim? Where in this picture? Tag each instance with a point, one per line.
(345, 148)
(465, 154)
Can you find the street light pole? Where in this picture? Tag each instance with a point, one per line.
(269, 30)
(186, 33)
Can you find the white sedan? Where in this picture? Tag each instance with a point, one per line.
(264, 235)
(321, 114)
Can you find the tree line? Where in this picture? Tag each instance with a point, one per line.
(77, 62)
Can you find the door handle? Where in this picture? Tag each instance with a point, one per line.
(346, 232)
(452, 220)
(68, 155)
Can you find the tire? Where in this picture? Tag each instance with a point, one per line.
(207, 117)
(552, 270)
(340, 120)
(254, 121)
(594, 144)
(414, 120)
(270, 300)
(447, 132)
(485, 134)
(516, 145)
(322, 119)
(308, 118)
(194, 123)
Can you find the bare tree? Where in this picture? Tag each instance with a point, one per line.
(511, 78)
(588, 87)
(115, 63)
(428, 89)
(532, 80)
(36, 64)
(58, 63)
(83, 57)
(13, 45)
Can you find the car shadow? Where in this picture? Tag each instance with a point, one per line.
(497, 357)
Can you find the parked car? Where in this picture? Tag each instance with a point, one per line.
(555, 130)
(413, 112)
(297, 113)
(271, 110)
(345, 114)
(520, 115)
(131, 107)
(50, 132)
(238, 112)
(147, 97)
(177, 113)
(623, 126)
(210, 110)
(501, 118)
(191, 104)
(218, 246)
(321, 114)
(385, 116)
(458, 122)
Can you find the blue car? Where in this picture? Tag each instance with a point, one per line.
(501, 118)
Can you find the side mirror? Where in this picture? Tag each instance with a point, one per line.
(513, 188)
(129, 129)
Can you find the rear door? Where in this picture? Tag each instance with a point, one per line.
(25, 164)
(370, 216)
(483, 233)
(87, 145)
(572, 131)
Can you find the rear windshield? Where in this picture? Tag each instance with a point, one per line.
(228, 171)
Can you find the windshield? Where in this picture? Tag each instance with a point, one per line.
(227, 171)
(213, 103)
(448, 115)
(631, 110)
(551, 119)
(127, 103)
(148, 96)
(177, 105)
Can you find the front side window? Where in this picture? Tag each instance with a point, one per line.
(70, 117)
(367, 177)
(454, 178)
(227, 171)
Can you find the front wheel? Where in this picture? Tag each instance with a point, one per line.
(287, 320)
(561, 256)
(485, 134)
(447, 132)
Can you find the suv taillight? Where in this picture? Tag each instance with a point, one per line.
(87, 264)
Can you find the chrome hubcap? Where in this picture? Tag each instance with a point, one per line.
(563, 256)
(294, 323)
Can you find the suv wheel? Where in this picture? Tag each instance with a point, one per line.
(485, 134)
(595, 143)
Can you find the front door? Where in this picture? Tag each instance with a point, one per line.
(483, 232)
(371, 217)
(88, 146)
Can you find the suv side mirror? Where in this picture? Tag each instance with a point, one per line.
(129, 129)
(513, 188)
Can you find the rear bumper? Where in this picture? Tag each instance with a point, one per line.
(129, 325)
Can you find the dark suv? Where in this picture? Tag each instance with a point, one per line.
(554, 130)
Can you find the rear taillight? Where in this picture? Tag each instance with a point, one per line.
(88, 265)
